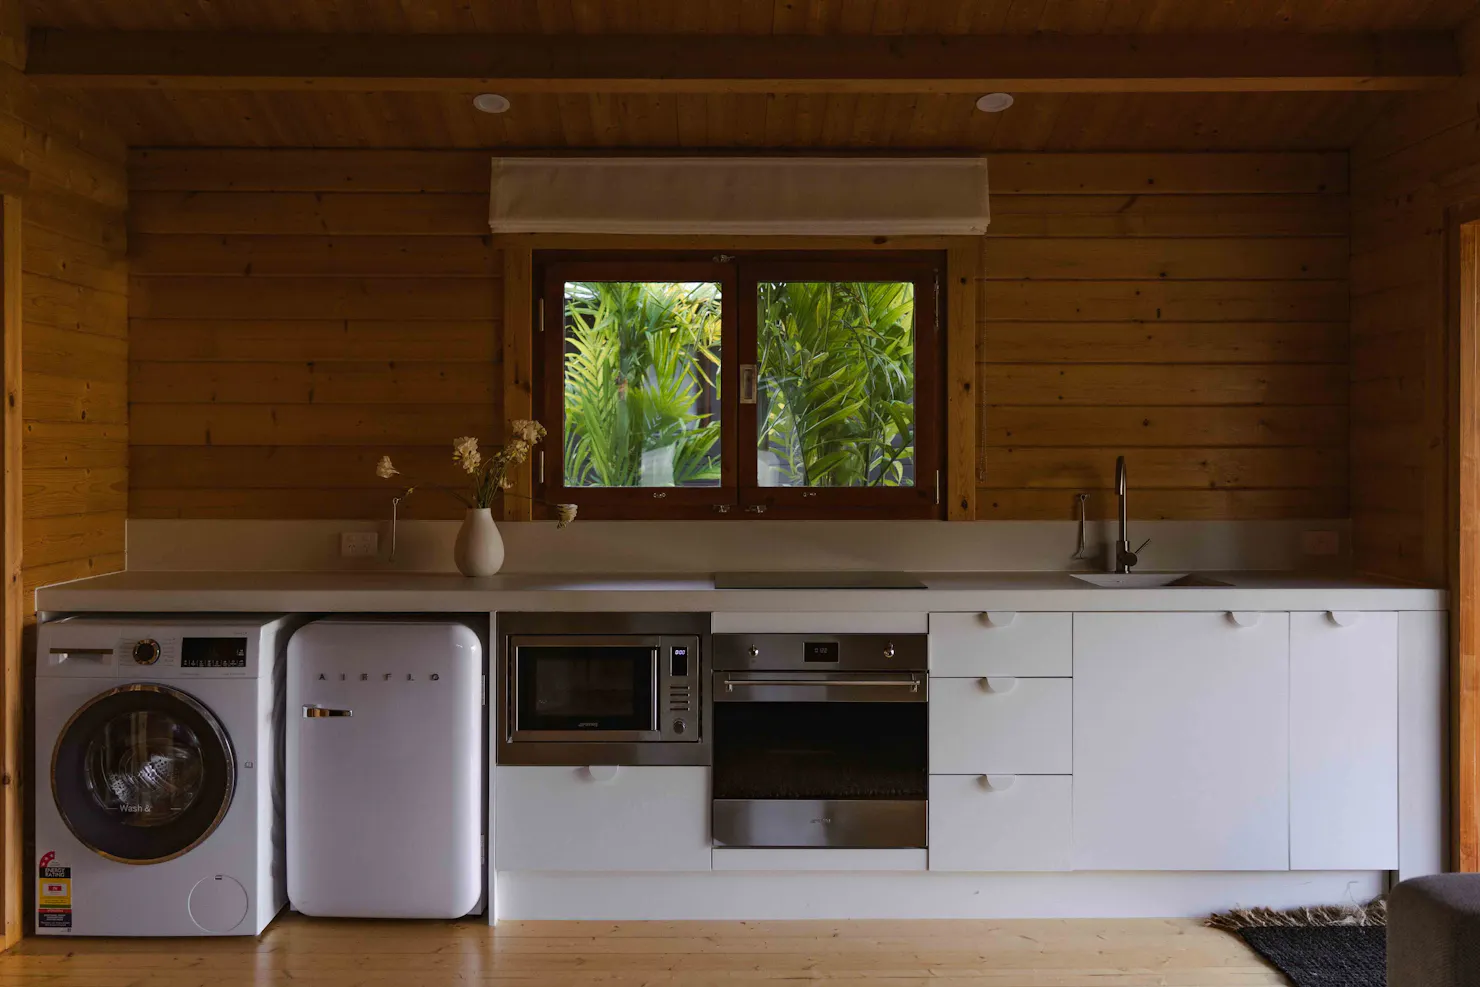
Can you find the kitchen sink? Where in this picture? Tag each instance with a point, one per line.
(1145, 580)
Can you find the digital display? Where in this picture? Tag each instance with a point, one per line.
(820, 651)
(213, 652)
(680, 664)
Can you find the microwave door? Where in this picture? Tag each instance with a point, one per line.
(568, 689)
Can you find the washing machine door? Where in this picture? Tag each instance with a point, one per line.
(143, 773)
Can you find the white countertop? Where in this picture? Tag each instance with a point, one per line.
(318, 592)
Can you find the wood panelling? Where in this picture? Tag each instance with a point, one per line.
(74, 284)
(65, 374)
(1189, 311)
(283, 339)
(1408, 174)
(832, 121)
(887, 17)
(1205, 337)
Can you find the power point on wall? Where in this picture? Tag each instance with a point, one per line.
(358, 544)
(1320, 542)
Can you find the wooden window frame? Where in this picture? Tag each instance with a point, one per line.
(740, 273)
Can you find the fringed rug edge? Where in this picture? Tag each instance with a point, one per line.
(1374, 913)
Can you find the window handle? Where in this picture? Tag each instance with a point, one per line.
(747, 383)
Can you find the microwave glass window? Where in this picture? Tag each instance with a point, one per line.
(581, 688)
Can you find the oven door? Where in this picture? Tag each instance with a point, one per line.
(584, 687)
(820, 759)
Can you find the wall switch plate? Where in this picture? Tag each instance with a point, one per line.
(1320, 542)
(358, 544)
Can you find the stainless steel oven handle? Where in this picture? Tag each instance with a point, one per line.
(914, 685)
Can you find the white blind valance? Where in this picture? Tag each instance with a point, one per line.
(747, 196)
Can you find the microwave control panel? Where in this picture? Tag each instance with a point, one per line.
(680, 689)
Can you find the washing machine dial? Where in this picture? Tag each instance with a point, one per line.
(146, 652)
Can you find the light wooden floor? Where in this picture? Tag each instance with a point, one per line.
(294, 950)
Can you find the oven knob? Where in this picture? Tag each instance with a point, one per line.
(679, 726)
(889, 650)
(754, 651)
(146, 652)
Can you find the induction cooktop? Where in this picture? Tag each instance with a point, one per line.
(842, 579)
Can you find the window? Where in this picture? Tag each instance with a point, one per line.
(772, 385)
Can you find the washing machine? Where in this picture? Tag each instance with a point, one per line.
(159, 770)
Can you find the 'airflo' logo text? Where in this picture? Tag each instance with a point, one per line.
(382, 677)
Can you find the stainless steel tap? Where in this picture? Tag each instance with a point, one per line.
(1124, 557)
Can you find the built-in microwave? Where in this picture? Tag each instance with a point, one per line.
(577, 687)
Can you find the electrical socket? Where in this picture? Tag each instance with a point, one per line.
(358, 544)
(1320, 542)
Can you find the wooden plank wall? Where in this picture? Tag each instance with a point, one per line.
(73, 370)
(75, 328)
(294, 316)
(296, 313)
(1188, 311)
(1415, 165)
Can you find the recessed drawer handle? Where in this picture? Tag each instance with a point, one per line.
(313, 711)
(1343, 618)
(1245, 618)
(999, 618)
(999, 684)
(83, 652)
(997, 783)
(602, 773)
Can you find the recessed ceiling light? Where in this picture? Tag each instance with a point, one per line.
(491, 103)
(994, 102)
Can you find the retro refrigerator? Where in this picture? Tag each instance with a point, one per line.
(385, 768)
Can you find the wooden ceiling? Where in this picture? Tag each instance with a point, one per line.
(754, 16)
(1049, 121)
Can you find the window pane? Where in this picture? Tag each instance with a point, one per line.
(642, 384)
(836, 384)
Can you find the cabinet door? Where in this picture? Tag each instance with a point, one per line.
(601, 819)
(1343, 741)
(1001, 726)
(1181, 741)
(1000, 823)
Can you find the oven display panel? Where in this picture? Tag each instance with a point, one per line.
(213, 652)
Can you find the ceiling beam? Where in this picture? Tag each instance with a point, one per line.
(715, 64)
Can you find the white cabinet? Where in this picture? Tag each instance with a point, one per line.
(1343, 741)
(1000, 823)
(601, 819)
(1001, 643)
(1001, 725)
(1181, 741)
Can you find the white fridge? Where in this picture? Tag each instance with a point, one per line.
(385, 772)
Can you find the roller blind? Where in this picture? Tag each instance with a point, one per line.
(872, 196)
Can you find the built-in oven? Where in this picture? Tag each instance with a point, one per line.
(602, 688)
(820, 740)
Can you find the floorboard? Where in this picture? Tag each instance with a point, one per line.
(335, 953)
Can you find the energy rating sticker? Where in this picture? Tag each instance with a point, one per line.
(53, 896)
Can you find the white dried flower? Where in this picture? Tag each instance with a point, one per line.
(530, 431)
(465, 453)
(384, 469)
(564, 514)
(517, 450)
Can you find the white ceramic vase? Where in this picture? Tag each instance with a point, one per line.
(479, 549)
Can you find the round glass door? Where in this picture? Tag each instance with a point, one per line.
(143, 773)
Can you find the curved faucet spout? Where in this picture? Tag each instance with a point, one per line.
(1124, 557)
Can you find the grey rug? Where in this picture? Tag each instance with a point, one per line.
(1324, 956)
(1318, 947)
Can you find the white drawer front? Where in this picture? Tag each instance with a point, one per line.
(1001, 725)
(1002, 643)
(602, 819)
(1001, 823)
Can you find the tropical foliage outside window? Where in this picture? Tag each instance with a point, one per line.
(772, 385)
(642, 384)
(837, 379)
